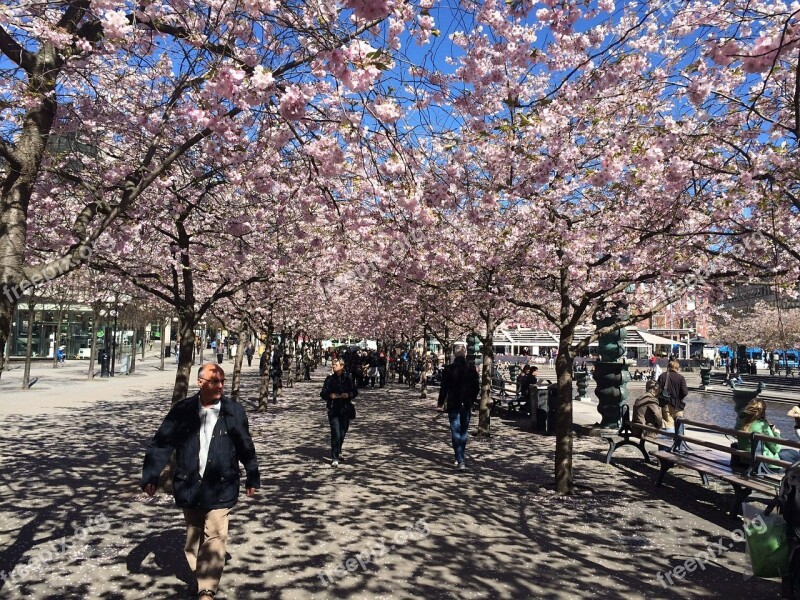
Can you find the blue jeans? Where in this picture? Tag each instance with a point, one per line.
(459, 426)
(339, 426)
(789, 454)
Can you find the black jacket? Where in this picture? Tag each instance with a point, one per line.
(230, 444)
(338, 384)
(276, 368)
(676, 384)
(460, 385)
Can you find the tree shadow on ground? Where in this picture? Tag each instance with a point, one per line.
(420, 528)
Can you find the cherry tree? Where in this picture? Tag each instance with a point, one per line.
(100, 99)
(576, 166)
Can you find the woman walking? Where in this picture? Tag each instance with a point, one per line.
(338, 392)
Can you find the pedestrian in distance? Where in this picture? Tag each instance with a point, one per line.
(460, 387)
(308, 360)
(672, 396)
(523, 383)
(382, 369)
(276, 372)
(220, 352)
(248, 352)
(210, 436)
(338, 392)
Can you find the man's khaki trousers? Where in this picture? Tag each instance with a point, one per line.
(206, 541)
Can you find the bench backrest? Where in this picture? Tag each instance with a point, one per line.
(681, 438)
(760, 464)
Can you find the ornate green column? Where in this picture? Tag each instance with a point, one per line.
(582, 383)
(610, 372)
(705, 378)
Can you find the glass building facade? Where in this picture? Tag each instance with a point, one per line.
(75, 332)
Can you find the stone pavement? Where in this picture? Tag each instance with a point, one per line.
(394, 521)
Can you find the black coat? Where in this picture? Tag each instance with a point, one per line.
(676, 384)
(230, 444)
(276, 368)
(338, 384)
(460, 385)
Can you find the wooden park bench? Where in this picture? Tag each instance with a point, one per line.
(514, 403)
(713, 459)
(628, 434)
(503, 397)
(517, 403)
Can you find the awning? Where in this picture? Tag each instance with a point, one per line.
(652, 338)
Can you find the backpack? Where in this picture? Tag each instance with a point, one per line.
(788, 503)
(664, 397)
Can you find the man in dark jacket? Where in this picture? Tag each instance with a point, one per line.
(276, 372)
(210, 435)
(460, 387)
(673, 394)
(248, 352)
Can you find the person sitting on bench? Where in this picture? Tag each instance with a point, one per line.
(646, 410)
(523, 383)
(753, 419)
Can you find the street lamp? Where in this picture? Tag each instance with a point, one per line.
(114, 304)
(114, 339)
(473, 348)
(611, 371)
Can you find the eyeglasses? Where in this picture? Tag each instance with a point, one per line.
(213, 381)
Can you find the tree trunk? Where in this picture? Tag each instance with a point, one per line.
(237, 366)
(448, 346)
(264, 381)
(187, 321)
(7, 305)
(423, 383)
(134, 339)
(93, 351)
(164, 341)
(26, 376)
(486, 381)
(563, 464)
(263, 390)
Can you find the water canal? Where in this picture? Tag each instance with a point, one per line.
(709, 407)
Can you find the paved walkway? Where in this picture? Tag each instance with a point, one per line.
(395, 513)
